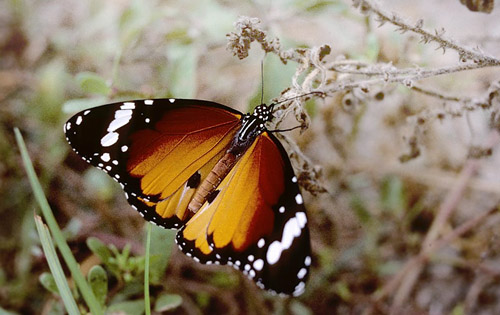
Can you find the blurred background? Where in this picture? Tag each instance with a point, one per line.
(403, 168)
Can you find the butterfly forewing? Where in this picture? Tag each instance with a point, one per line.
(256, 223)
(158, 150)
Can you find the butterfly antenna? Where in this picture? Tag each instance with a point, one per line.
(262, 81)
(283, 130)
(320, 93)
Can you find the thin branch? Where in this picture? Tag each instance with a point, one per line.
(445, 210)
(438, 36)
(407, 77)
(425, 254)
(440, 95)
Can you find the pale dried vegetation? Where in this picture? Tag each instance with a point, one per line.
(399, 108)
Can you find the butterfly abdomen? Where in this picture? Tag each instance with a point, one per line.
(208, 186)
(252, 126)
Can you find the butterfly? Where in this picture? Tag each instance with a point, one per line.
(217, 175)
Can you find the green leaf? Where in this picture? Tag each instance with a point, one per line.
(48, 282)
(459, 309)
(393, 195)
(297, 308)
(372, 48)
(5, 312)
(343, 291)
(128, 307)
(99, 249)
(55, 267)
(167, 302)
(49, 90)
(203, 299)
(62, 246)
(323, 5)
(98, 280)
(182, 72)
(147, 302)
(79, 104)
(225, 279)
(358, 205)
(99, 184)
(162, 241)
(133, 22)
(93, 83)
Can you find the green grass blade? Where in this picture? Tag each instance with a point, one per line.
(55, 267)
(147, 304)
(69, 259)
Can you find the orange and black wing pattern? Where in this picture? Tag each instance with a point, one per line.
(158, 150)
(213, 173)
(256, 223)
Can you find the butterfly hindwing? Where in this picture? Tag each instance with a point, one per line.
(158, 150)
(169, 153)
(257, 221)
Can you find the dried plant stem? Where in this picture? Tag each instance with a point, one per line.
(407, 277)
(405, 76)
(438, 37)
(475, 290)
(430, 177)
(440, 95)
(424, 255)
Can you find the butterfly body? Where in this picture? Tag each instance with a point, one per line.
(251, 127)
(218, 176)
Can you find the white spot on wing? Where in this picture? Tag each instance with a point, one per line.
(86, 112)
(258, 264)
(124, 148)
(307, 261)
(122, 117)
(302, 272)
(79, 120)
(128, 105)
(301, 219)
(261, 243)
(298, 199)
(105, 157)
(274, 252)
(299, 289)
(294, 179)
(171, 100)
(281, 209)
(293, 228)
(148, 102)
(109, 139)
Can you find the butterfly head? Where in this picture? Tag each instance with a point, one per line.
(254, 124)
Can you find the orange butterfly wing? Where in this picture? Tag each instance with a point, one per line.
(159, 154)
(257, 222)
